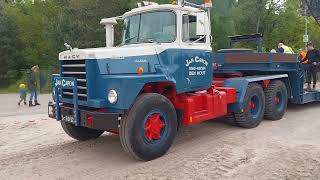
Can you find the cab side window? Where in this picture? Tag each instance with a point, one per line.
(189, 29)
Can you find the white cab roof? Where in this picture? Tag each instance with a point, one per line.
(161, 7)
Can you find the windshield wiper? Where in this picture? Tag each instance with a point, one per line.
(130, 38)
(150, 40)
(201, 38)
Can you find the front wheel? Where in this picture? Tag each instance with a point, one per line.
(230, 119)
(253, 107)
(148, 129)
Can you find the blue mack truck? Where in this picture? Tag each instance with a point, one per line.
(164, 76)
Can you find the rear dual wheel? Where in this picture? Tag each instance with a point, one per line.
(276, 100)
(148, 129)
(271, 104)
(253, 107)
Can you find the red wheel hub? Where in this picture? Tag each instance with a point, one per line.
(153, 127)
(252, 105)
(277, 100)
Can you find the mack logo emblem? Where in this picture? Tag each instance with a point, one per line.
(72, 56)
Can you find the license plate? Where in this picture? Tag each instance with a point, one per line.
(69, 119)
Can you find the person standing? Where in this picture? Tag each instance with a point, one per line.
(23, 94)
(302, 54)
(32, 86)
(284, 49)
(313, 60)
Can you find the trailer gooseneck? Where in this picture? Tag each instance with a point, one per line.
(164, 76)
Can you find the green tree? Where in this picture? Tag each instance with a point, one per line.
(77, 23)
(35, 33)
(222, 23)
(276, 21)
(33, 21)
(10, 48)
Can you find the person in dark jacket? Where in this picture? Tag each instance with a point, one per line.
(32, 86)
(313, 58)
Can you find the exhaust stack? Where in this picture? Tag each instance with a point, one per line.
(109, 23)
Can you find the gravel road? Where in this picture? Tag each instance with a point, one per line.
(32, 146)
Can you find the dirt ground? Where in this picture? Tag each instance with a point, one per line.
(32, 146)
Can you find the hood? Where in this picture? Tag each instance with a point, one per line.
(117, 60)
(121, 52)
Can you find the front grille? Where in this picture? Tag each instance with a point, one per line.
(75, 69)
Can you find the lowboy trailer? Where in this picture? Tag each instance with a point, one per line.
(164, 76)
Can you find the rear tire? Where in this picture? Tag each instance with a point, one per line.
(80, 133)
(134, 136)
(276, 100)
(253, 107)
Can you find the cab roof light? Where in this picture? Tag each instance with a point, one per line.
(208, 3)
(146, 3)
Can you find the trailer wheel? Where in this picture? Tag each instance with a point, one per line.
(276, 100)
(80, 133)
(253, 107)
(149, 127)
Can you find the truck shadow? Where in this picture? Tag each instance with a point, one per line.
(303, 107)
(291, 108)
(108, 148)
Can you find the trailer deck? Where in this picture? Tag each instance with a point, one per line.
(248, 65)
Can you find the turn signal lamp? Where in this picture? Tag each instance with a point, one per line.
(208, 3)
(174, 2)
(140, 71)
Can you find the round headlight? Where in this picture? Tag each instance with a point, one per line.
(112, 96)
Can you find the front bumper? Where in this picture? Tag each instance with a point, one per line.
(90, 119)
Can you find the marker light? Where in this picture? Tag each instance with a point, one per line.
(112, 96)
(208, 3)
(89, 120)
(140, 71)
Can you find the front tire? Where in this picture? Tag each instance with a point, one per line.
(230, 119)
(276, 100)
(80, 133)
(148, 129)
(253, 107)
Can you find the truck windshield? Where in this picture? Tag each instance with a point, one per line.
(150, 27)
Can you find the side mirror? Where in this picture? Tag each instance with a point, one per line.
(201, 28)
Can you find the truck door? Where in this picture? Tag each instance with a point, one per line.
(188, 60)
(196, 52)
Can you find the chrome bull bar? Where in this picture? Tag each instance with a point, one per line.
(60, 83)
